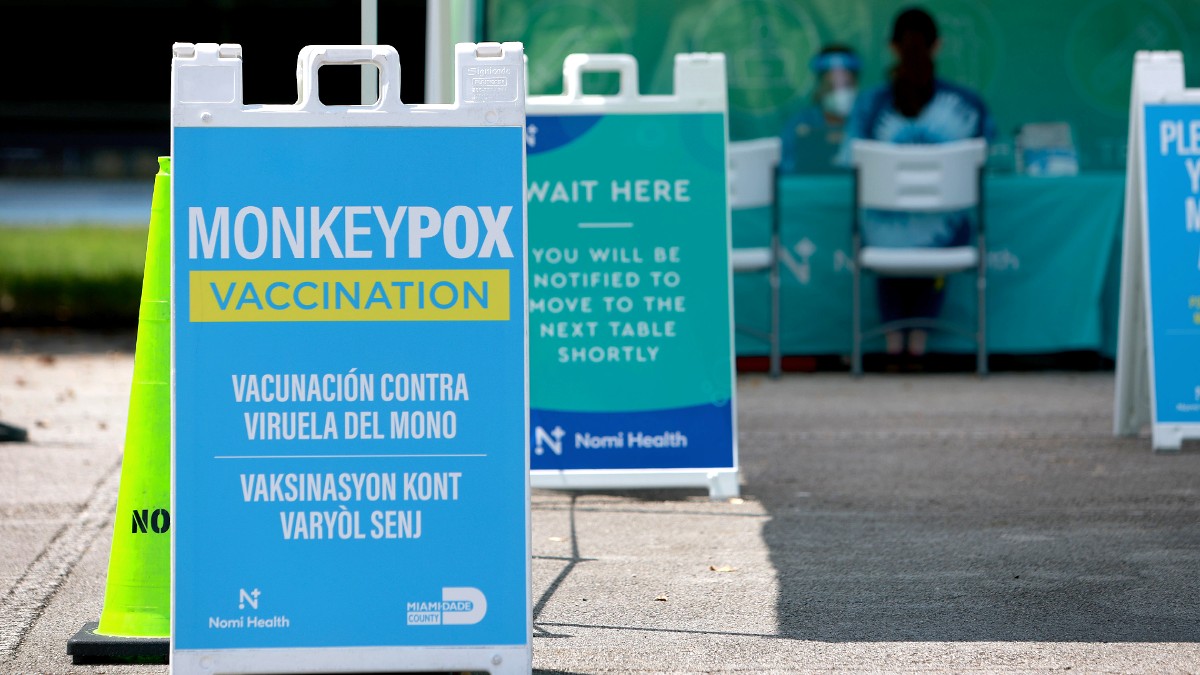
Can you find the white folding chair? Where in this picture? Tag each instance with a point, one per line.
(753, 175)
(927, 178)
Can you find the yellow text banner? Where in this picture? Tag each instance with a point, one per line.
(362, 295)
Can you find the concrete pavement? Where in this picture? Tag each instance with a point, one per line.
(899, 523)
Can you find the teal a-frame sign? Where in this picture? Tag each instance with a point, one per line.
(631, 348)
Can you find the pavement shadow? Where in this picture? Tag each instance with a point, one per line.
(1009, 538)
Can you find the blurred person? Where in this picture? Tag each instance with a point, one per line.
(915, 106)
(811, 137)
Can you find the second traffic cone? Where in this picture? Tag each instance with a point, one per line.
(135, 622)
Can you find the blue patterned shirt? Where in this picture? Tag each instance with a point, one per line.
(954, 113)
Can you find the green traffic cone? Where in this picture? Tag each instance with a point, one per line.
(135, 623)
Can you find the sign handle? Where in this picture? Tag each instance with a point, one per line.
(576, 64)
(383, 57)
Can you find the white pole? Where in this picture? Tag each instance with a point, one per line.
(370, 37)
(436, 25)
(447, 23)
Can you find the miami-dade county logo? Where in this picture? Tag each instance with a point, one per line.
(459, 606)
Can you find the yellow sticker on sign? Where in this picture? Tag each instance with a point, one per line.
(363, 295)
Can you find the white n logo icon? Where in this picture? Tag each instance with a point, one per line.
(552, 439)
(248, 598)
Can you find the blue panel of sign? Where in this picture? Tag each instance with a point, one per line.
(350, 387)
(1173, 249)
(631, 358)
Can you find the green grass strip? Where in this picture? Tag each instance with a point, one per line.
(83, 276)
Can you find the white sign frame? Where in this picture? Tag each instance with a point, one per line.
(1158, 77)
(207, 92)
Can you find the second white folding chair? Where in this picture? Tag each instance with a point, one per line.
(927, 178)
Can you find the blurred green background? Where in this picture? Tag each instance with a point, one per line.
(1032, 60)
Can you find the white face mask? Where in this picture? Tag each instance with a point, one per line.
(840, 102)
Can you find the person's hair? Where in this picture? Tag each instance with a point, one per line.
(914, 35)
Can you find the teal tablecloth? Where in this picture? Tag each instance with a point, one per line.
(1053, 267)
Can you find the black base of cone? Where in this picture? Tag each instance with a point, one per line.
(87, 648)
(11, 434)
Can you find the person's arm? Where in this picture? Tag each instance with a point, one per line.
(987, 124)
(787, 145)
